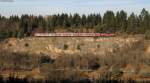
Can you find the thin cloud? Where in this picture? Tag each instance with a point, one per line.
(6, 0)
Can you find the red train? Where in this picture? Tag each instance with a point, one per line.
(73, 35)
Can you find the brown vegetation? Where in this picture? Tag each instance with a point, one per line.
(124, 62)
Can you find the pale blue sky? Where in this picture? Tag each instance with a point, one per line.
(46, 7)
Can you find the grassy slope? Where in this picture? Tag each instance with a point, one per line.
(54, 47)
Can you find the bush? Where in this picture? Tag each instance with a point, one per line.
(78, 47)
(98, 46)
(146, 75)
(116, 73)
(26, 44)
(147, 35)
(65, 47)
(9, 45)
(46, 59)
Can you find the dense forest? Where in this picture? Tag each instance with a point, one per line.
(110, 22)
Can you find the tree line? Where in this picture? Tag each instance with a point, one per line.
(110, 22)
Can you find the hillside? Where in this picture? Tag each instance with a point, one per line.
(124, 57)
(55, 46)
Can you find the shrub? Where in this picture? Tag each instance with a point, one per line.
(26, 44)
(146, 75)
(98, 46)
(147, 35)
(116, 73)
(9, 45)
(46, 59)
(78, 47)
(65, 47)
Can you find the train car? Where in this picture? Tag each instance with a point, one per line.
(73, 35)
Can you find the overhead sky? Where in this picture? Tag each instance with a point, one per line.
(46, 7)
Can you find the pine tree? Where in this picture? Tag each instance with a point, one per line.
(84, 20)
(76, 20)
(132, 23)
(121, 21)
(145, 20)
(109, 22)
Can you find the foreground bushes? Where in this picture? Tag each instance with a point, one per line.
(15, 80)
(22, 60)
(74, 67)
